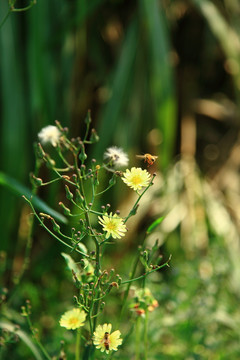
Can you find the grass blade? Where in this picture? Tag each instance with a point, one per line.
(18, 189)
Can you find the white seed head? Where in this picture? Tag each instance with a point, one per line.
(118, 157)
(49, 134)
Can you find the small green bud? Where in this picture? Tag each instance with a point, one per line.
(88, 119)
(69, 195)
(102, 306)
(112, 271)
(78, 283)
(79, 197)
(134, 210)
(81, 299)
(65, 209)
(24, 311)
(35, 181)
(56, 227)
(82, 156)
(94, 136)
(119, 279)
(40, 152)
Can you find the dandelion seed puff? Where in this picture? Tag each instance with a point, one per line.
(49, 134)
(117, 156)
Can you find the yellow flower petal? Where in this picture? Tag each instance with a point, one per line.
(112, 342)
(73, 319)
(136, 178)
(113, 225)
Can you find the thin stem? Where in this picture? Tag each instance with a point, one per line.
(78, 342)
(94, 305)
(50, 232)
(50, 182)
(133, 211)
(102, 192)
(63, 158)
(137, 339)
(146, 335)
(36, 338)
(147, 273)
(33, 2)
(97, 270)
(124, 302)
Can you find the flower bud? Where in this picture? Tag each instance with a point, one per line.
(65, 209)
(69, 195)
(94, 136)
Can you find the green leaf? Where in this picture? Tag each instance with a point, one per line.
(162, 83)
(18, 189)
(225, 33)
(71, 265)
(121, 81)
(24, 337)
(154, 224)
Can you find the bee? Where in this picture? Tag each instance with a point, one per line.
(106, 340)
(148, 158)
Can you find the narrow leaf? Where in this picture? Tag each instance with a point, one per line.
(154, 224)
(24, 337)
(18, 189)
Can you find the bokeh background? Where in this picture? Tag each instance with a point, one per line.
(160, 77)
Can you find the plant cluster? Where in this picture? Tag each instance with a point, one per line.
(96, 228)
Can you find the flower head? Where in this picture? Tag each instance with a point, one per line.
(73, 319)
(136, 178)
(117, 156)
(113, 225)
(49, 134)
(104, 340)
(143, 301)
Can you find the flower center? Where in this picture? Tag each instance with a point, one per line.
(136, 180)
(73, 321)
(111, 226)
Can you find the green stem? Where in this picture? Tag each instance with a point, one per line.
(97, 270)
(33, 2)
(94, 305)
(50, 232)
(137, 338)
(148, 272)
(146, 336)
(78, 342)
(102, 192)
(37, 340)
(63, 158)
(134, 208)
(61, 177)
(124, 302)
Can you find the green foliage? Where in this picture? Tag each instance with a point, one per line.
(138, 65)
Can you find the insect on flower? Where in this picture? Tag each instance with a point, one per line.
(148, 158)
(106, 340)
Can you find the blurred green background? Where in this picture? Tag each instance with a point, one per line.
(160, 77)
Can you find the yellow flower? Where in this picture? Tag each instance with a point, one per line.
(104, 340)
(73, 319)
(113, 225)
(136, 178)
